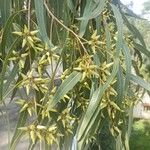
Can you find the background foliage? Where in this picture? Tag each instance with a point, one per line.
(141, 134)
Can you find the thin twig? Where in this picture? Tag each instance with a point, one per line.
(51, 29)
(29, 13)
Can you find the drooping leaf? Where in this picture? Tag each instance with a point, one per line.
(39, 10)
(5, 9)
(142, 49)
(18, 133)
(65, 87)
(4, 67)
(91, 10)
(93, 108)
(11, 78)
(134, 31)
(128, 66)
(119, 22)
(138, 80)
(6, 32)
(120, 87)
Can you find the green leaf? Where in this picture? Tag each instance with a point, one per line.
(130, 121)
(140, 82)
(6, 32)
(65, 87)
(11, 78)
(119, 22)
(16, 27)
(5, 7)
(142, 49)
(71, 6)
(93, 108)
(18, 133)
(128, 63)
(134, 31)
(39, 11)
(89, 118)
(91, 10)
(4, 67)
(120, 86)
(108, 42)
(138, 35)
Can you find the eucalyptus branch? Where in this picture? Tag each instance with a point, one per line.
(65, 27)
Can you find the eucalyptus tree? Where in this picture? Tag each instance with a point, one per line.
(100, 80)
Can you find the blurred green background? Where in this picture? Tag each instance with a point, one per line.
(140, 136)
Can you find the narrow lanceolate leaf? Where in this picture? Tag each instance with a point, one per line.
(4, 67)
(120, 86)
(140, 82)
(6, 32)
(71, 6)
(89, 117)
(5, 7)
(138, 35)
(91, 10)
(95, 10)
(65, 87)
(130, 121)
(93, 108)
(108, 42)
(11, 78)
(18, 133)
(128, 63)
(119, 22)
(142, 49)
(39, 10)
(134, 31)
